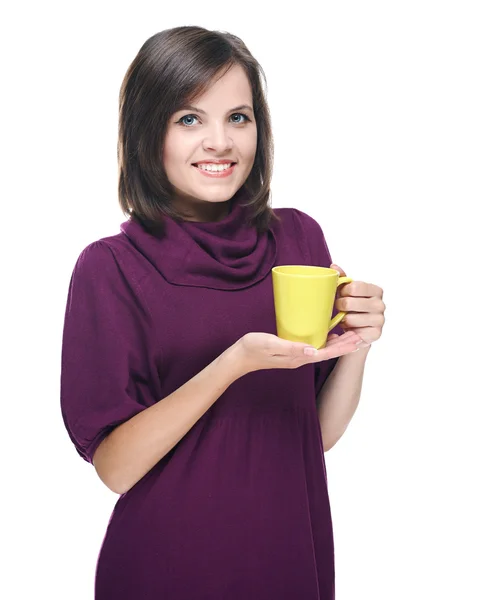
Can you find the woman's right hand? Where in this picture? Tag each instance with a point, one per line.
(258, 350)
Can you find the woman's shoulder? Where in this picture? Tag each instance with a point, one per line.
(108, 259)
(299, 220)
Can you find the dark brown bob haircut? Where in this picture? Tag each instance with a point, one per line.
(173, 68)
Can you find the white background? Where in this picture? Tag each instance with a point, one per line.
(384, 119)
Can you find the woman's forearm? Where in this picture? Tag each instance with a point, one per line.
(339, 396)
(135, 447)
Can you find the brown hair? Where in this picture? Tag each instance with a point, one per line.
(172, 68)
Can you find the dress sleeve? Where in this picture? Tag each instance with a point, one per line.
(103, 380)
(319, 256)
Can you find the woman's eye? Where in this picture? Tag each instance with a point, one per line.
(186, 117)
(184, 124)
(241, 115)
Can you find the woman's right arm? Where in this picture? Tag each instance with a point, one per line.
(135, 447)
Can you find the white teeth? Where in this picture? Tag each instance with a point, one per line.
(212, 167)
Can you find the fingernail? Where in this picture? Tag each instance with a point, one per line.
(310, 351)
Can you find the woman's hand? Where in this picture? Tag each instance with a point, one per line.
(258, 350)
(365, 307)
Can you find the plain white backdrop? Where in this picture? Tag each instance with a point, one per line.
(384, 117)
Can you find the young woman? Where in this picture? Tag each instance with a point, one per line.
(174, 384)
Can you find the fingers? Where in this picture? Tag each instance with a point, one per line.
(342, 338)
(337, 346)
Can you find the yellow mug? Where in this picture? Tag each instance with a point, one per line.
(303, 300)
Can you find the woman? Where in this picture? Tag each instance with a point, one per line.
(174, 384)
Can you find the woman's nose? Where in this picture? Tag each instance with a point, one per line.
(218, 137)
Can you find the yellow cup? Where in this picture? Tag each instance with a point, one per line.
(303, 299)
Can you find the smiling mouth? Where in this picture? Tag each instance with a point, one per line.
(230, 164)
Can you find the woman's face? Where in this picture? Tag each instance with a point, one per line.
(217, 133)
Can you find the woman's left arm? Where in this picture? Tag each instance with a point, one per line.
(340, 394)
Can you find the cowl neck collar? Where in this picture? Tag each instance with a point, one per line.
(225, 255)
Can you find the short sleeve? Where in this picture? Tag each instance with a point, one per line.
(319, 256)
(103, 379)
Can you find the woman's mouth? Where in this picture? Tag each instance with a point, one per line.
(216, 172)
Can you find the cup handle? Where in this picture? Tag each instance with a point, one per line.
(339, 317)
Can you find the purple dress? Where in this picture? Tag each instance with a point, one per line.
(239, 508)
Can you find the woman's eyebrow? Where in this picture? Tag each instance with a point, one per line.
(199, 110)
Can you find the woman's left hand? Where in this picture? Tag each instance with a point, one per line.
(364, 307)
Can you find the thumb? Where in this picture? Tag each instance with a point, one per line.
(338, 268)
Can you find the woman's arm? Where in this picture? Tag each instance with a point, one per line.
(339, 397)
(135, 447)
